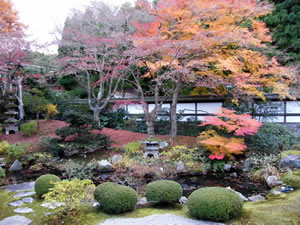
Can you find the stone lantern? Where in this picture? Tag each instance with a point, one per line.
(11, 123)
(151, 149)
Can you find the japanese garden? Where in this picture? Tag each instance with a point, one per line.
(164, 112)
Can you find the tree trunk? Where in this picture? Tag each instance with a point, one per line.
(19, 96)
(97, 117)
(38, 120)
(150, 128)
(173, 110)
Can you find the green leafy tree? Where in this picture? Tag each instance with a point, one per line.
(284, 24)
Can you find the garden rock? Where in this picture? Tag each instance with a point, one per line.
(96, 204)
(104, 165)
(116, 158)
(256, 198)
(142, 201)
(240, 194)
(180, 166)
(20, 187)
(291, 161)
(15, 220)
(52, 205)
(183, 200)
(24, 194)
(23, 210)
(234, 174)
(227, 167)
(272, 181)
(163, 144)
(16, 166)
(247, 165)
(16, 203)
(2, 162)
(27, 200)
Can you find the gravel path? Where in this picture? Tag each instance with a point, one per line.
(164, 219)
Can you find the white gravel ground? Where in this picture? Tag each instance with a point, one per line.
(163, 219)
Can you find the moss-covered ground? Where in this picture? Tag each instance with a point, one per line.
(282, 211)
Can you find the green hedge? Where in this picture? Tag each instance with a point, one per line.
(215, 204)
(44, 183)
(115, 198)
(2, 174)
(292, 180)
(164, 191)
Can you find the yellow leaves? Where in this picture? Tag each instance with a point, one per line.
(51, 110)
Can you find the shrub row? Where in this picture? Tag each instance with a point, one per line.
(213, 203)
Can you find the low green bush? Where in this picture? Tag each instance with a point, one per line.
(164, 191)
(115, 198)
(17, 150)
(4, 145)
(271, 138)
(2, 174)
(133, 148)
(215, 204)
(29, 129)
(44, 183)
(292, 180)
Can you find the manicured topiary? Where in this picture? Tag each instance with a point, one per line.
(44, 183)
(292, 180)
(163, 191)
(2, 174)
(115, 198)
(215, 204)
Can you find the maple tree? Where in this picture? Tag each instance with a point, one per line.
(8, 18)
(213, 44)
(234, 127)
(92, 51)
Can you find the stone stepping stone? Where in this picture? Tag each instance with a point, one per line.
(16, 203)
(52, 205)
(20, 187)
(23, 210)
(27, 200)
(24, 194)
(15, 220)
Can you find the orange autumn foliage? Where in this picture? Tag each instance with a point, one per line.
(214, 43)
(8, 17)
(233, 125)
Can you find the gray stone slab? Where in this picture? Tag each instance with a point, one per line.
(15, 220)
(23, 210)
(27, 200)
(20, 187)
(16, 203)
(16, 166)
(164, 219)
(24, 194)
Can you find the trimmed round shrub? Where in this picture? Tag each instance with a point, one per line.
(164, 191)
(29, 129)
(214, 204)
(115, 198)
(44, 183)
(2, 174)
(292, 180)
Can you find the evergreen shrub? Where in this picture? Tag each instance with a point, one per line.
(164, 191)
(214, 204)
(44, 183)
(115, 198)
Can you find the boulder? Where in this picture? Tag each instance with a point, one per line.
(239, 194)
(180, 166)
(291, 161)
(183, 200)
(256, 198)
(15, 220)
(247, 164)
(142, 201)
(2, 162)
(104, 165)
(163, 144)
(116, 158)
(227, 167)
(272, 181)
(16, 166)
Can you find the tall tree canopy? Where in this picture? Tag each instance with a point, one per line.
(8, 17)
(214, 44)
